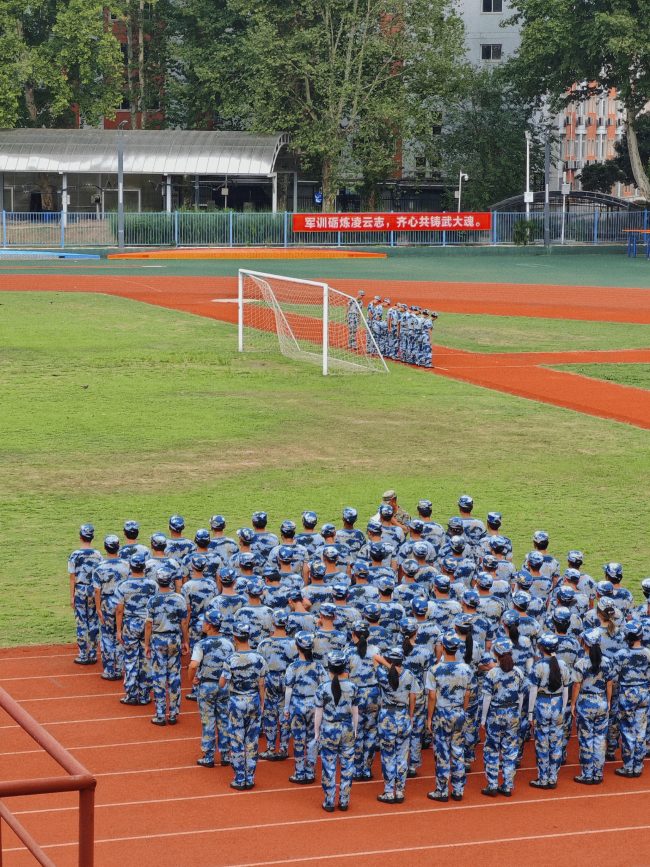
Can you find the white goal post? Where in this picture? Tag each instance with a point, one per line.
(307, 321)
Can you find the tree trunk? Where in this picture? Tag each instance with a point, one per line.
(28, 86)
(329, 188)
(47, 192)
(142, 100)
(641, 178)
(129, 73)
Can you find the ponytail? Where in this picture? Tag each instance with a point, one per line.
(393, 677)
(362, 647)
(407, 647)
(469, 647)
(513, 632)
(596, 657)
(554, 674)
(609, 621)
(336, 689)
(506, 662)
(308, 653)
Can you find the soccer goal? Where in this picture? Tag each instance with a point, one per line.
(307, 321)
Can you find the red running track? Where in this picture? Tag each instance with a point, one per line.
(157, 808)
(520, 374)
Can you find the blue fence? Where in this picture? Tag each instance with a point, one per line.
(215, 229)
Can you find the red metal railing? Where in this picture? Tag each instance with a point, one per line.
(78, 780)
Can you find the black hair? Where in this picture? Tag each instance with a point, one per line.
(554, 674)
(393, 677)
(467, 633)
(407, 647)
(561, 628)
(131, 534)
(362, 646)
(336, 689)
(608, 617)
(630, 640)
(596, 657)
(308, 653)
(506, 662)
(513, 633)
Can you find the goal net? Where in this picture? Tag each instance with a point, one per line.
(307, 321)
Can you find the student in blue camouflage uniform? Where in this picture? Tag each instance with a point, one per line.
(105, 578)
(528, 625)
(264, 542)
(243, 673)
(214, 561)
(166, 637)
(361, 668)
(523, 655)
(346, 615)
(378, 635)
(132, 597)
(390, 533)
(334, 574)
(336, 718)
(642, 612)
(327, 637)
(428, 632)
(132, 546)
(259, 617)
(391, 612)
(290, 569)
(288, 541)
(443, 609)
(208, 658)
(399, 692)
(229, 601)
(482, 628)
(565, 595)
(279, 651)
(633, 666)
(246, 560)
(504, 568)
(405, 593)
(223, 545)
(568, 650)
(425, 349)
(309, 538)
(317, 592)
(81, 565)
(493, 525)
(474, 654)
(198, 593)
(448, 687)
(503, 695)
(432, 532)
(490, 606)
(350, 536)
(302, 679)
(299, 620)
(352, 317)
(328, 532)
(621, 597)
(158, 560)
(549, 692)
(361, 593)
(593, 674)
(611, 641)
(277, 590)
(550, 567)
(418, 659)
(405, 550)
(178, 546)
(473, 528)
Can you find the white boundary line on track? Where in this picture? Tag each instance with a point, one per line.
(66, 697)
(50, 676)
(66, 722)
(346, 854)
(482, 806)
(107, 746)
(38, 656)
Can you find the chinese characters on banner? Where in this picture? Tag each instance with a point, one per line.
(391, 222)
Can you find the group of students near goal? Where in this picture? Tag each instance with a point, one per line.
(407, 635)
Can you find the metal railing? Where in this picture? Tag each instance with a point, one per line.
(229, 229)
(78, 780)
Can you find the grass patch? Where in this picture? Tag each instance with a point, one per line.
(173, 419)
(636, 375)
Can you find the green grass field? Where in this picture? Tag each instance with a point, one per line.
(113, 409)
(636, 375)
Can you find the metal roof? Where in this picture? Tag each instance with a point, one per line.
(588, 200)
(156, 152)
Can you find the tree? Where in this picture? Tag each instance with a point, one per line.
(601, 177)
(484, 136)
(346, 78)
(56, 55)
(590, 47)
(622, 159)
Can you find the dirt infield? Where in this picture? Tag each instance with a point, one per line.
(157, 808)
(520, 374)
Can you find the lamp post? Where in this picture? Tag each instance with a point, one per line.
(527, 196)
(461, 177)
(120, 184)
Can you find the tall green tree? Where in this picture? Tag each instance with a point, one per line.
(55, 54)
(484, 135)
(622, 158)
(596, 45)
(346, 78)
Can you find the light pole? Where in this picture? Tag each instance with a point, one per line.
(461, 177)
(120, 184)
(527, 196)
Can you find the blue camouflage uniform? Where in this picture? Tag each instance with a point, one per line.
(360, 595)
(610, 645)
(211, 654)
(214, 565)
(354, 540)
(394, 729)
(633, 666)
(505, 691)
(179, 549)
(298, 621)
(224, 546)
(153, 564)
(134, 593)
(299, 556)
(405, 593)
(309, 541)
(81, 564)
(264, 543)
(591, 714)
(302, 679)
(127, 551)
(327, 640)
(243, 671)
(443, 611)
(380, 636)
(260, 620)
(450, 681)
(362, 673)
(549, 719)
(568, 651)
(428, 635)
(418, 662)
(228, 606)
(278, 653)
(105, 578)
(317, 594)
(198, 594)
(391, 614)
(336, 738)
(346, 616)
(165, 612)
(276, 596)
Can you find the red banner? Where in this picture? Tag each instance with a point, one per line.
(391, 222)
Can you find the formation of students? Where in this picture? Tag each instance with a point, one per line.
(349, 643)
(399, 332)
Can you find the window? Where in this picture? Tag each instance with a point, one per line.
(490, 52)
(421, 168)
(591, 147)
(492, 5)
